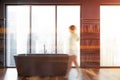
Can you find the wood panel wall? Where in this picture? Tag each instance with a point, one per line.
(2, 55)
(90, 43)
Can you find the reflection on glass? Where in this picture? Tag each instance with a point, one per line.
(109, 35)
(17, 31)
(43, 29)
(66, 16)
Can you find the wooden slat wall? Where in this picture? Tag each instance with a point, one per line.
(1, 44)
(90, 43)
(2, 54)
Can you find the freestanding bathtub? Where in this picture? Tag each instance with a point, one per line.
(41, 64)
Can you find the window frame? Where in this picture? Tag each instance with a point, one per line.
(31, 24)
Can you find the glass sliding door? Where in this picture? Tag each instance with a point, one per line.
(109, 35)
(17, 31)
(43, 29)
(66, 16)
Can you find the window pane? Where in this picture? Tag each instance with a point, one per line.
(66, 16)
(43, 29)
(109, 35)
(17, 31)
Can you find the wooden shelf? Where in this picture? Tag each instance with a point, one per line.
(90, 61)
(90, 47)
(90, 36)
(2, 30)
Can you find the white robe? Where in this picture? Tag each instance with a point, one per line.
(73, 47)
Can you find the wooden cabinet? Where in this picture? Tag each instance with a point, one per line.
(90, 43)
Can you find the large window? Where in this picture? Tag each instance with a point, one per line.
(17, 31)
(39, 29)
(109, 35)
(43, 29)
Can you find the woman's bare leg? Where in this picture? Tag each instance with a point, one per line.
(72, 58)
(69, 66)
(76, 65)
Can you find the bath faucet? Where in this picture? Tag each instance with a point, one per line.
(45, 49)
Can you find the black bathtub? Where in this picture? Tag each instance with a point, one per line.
(41, 64)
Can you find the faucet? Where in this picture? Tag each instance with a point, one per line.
(44, 49)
